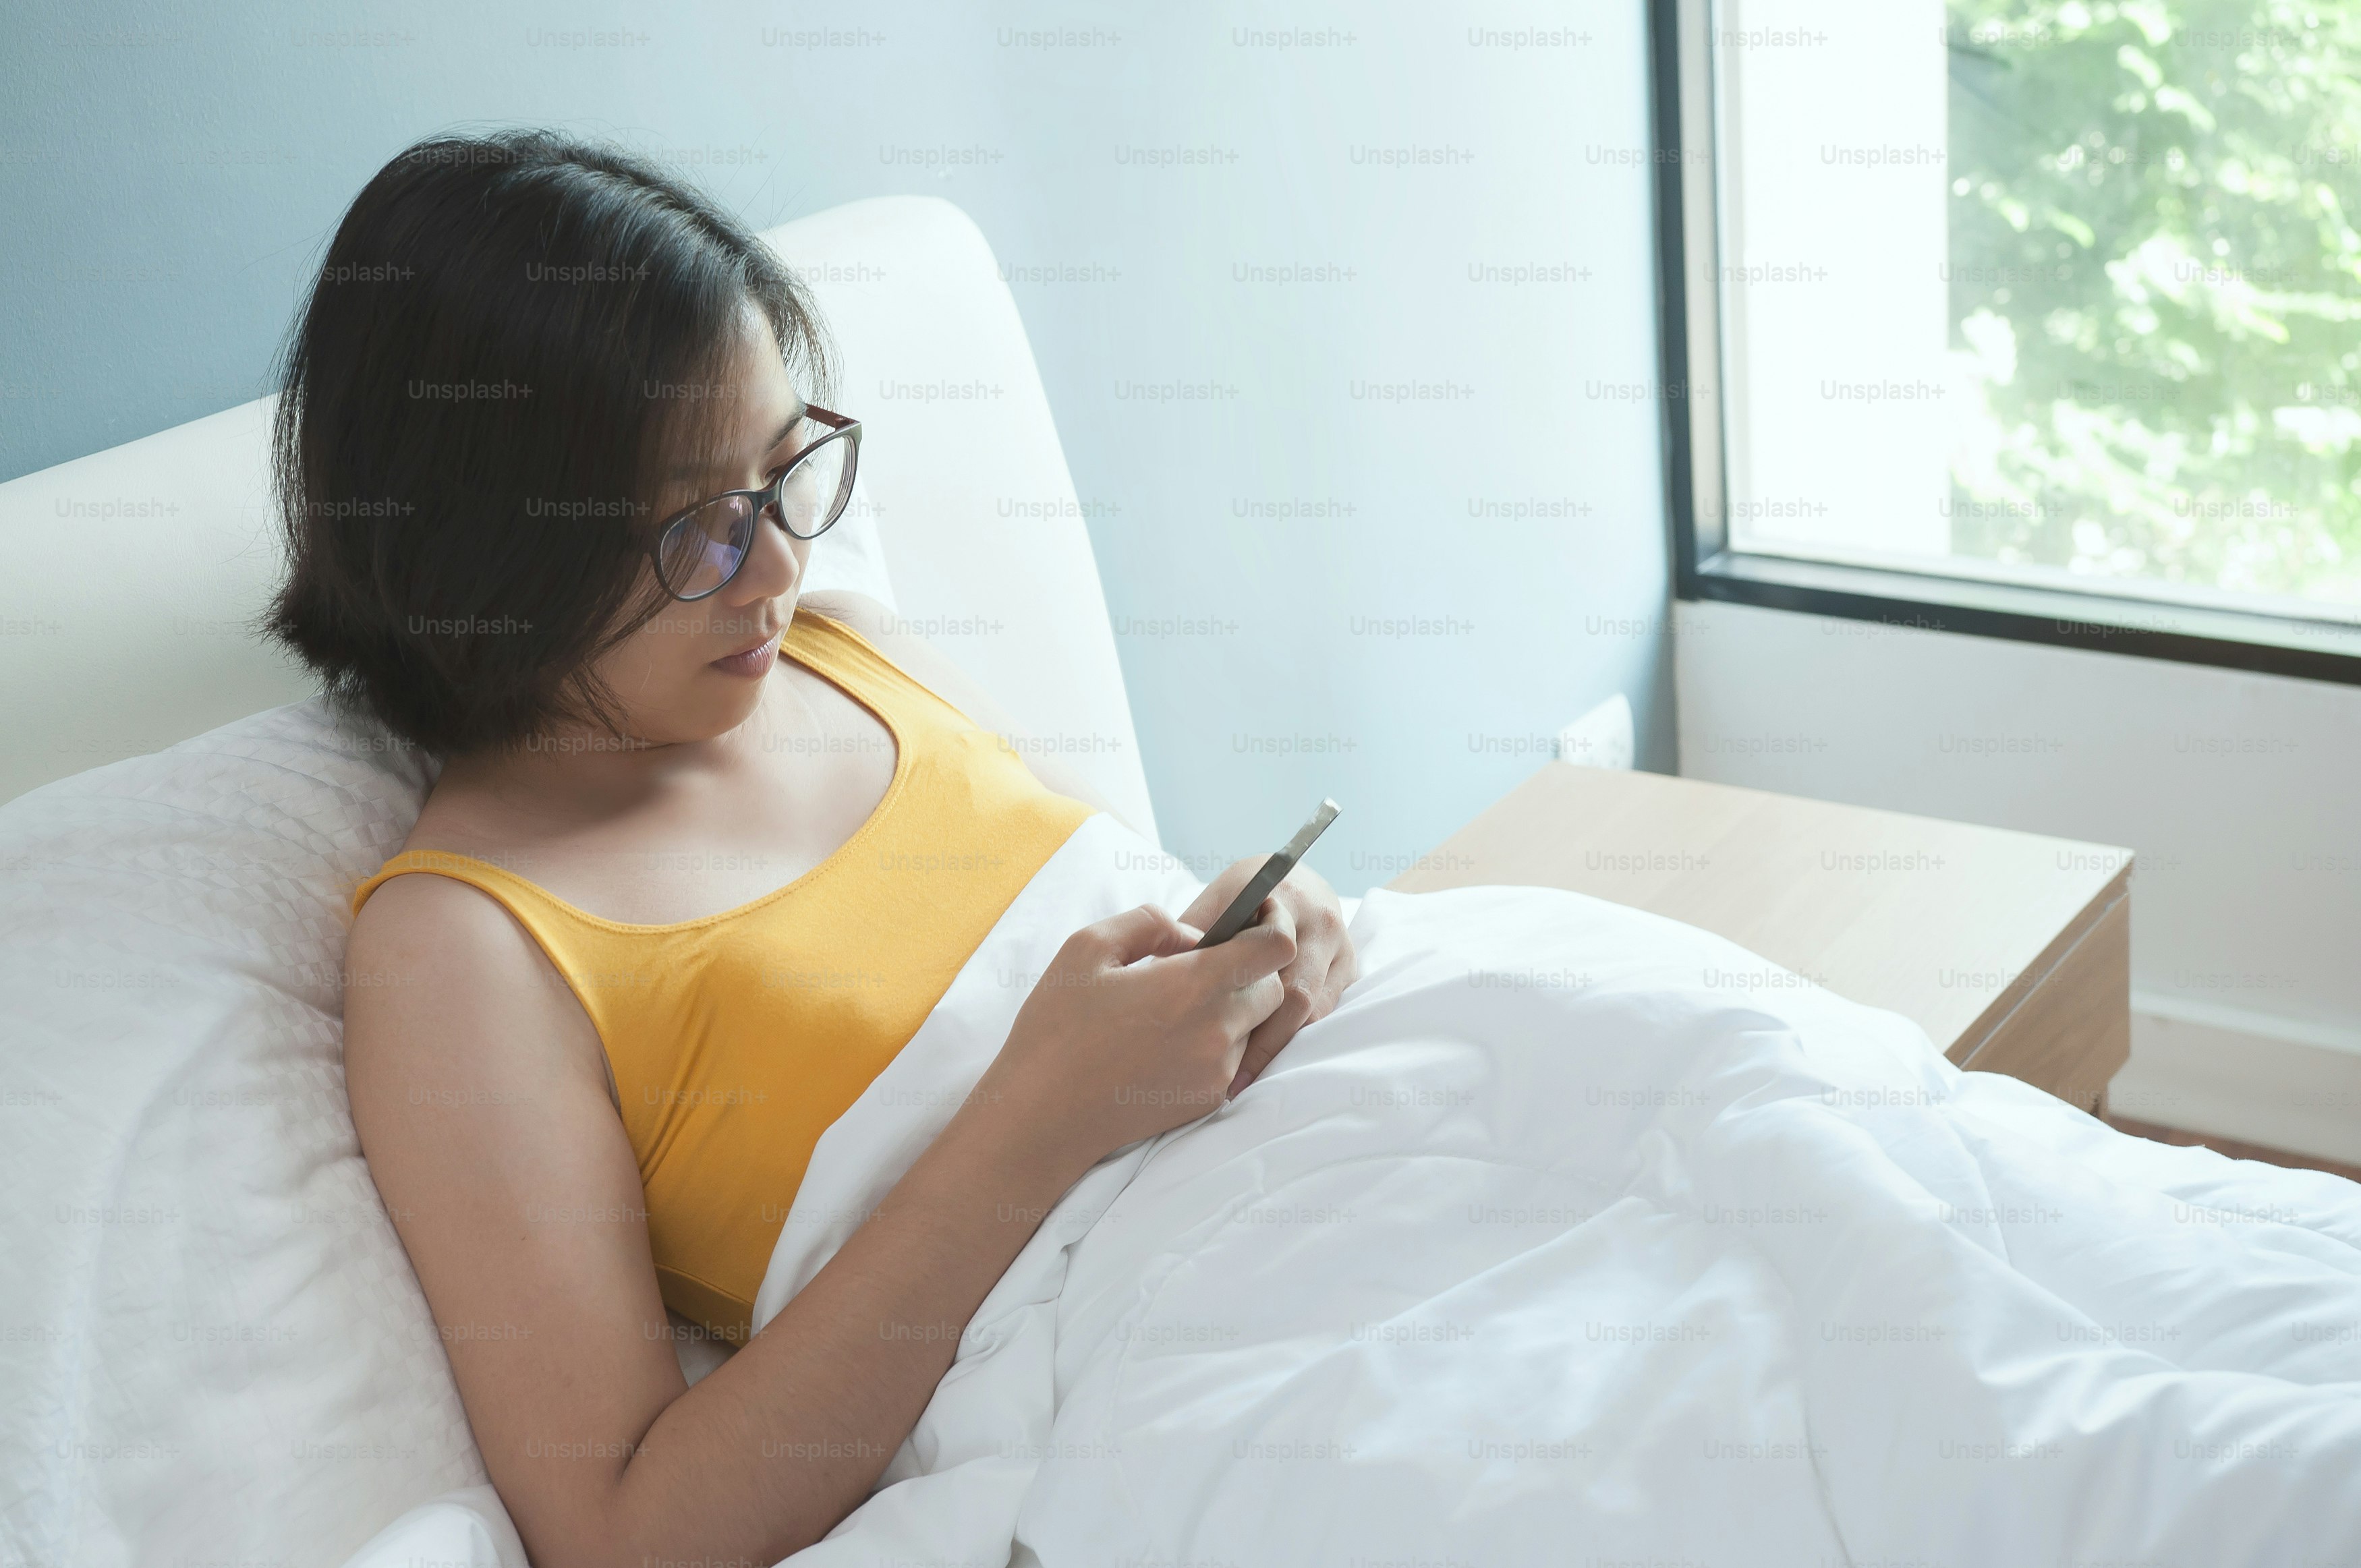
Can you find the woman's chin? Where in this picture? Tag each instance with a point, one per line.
(722, 703)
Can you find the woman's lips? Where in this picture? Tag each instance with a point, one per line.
(753, 663)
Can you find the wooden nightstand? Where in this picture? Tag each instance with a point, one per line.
(2011, 949)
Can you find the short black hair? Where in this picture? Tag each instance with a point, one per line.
(506, 333)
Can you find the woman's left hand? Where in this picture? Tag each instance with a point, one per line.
(1306, 906)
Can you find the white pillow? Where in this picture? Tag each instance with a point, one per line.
(214, 1345)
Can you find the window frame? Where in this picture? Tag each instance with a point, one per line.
(1682, 166)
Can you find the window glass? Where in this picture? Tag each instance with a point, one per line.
(2065, 293)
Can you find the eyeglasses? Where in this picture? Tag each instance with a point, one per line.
(697, 551)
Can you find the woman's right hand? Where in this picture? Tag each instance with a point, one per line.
(1109, 1049)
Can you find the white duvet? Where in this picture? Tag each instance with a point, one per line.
(1575, 1233)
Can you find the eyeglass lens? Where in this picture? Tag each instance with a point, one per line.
(704, 550)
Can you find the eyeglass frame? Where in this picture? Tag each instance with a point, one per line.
(767, 498)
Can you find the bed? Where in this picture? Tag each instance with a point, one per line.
(1544, 1245)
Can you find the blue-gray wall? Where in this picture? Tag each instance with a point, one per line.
(1387, 240)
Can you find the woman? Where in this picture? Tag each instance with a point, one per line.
(551, 482)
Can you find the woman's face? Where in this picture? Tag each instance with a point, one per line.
(697, 670)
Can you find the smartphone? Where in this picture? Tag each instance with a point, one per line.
(1241, 912)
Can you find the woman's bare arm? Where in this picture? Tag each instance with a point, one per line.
(478, 1088)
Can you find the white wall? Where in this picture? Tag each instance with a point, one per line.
(2238, 793)
(1346, 317)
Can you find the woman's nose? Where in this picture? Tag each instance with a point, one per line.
(771, 567)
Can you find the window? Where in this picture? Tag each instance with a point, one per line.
(2038, 317)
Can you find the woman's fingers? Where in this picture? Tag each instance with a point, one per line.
(1287, 970)
(1145, 932)
(1215, 896)
(1294, 1009)
(1323, 954)
(1314, 982)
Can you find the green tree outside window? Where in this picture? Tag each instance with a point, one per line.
(2155, 272)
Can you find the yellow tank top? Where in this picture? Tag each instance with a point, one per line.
(736, 1039)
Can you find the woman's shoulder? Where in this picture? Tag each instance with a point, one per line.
(449, 837)
(436, 934)
(480, 828)
(855, 639)
(435, 917)
(843, 621)
(853, 629)
(439, 975)
(898, 643)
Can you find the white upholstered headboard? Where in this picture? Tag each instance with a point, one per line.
(131, 576)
